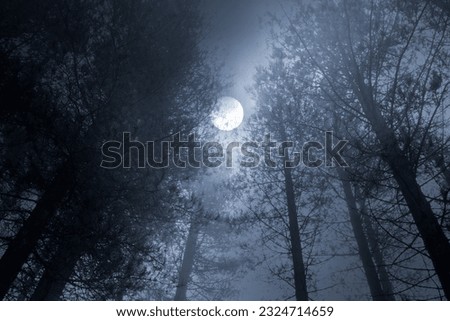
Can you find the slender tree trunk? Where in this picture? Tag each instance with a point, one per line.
(188, 261)
(435, 241)
(365, 255)
(26, 239)
(376, 251)
(54, 279)
(301, 292)
(379, 260)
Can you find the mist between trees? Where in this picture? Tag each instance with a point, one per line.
(77, 74)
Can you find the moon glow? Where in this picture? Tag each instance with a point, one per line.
(227, 114)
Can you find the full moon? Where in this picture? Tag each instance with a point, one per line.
(227, 114)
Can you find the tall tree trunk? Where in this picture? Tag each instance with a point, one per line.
(376, 251)
(435, 241)
(57, 273)
(301, 292)
(188, 261)
(365, 255)
(26, 239)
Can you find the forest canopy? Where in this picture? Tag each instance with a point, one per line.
(355, 93)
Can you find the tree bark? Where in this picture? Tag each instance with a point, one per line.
(365, 255)
(301, 292)
(376, 251)
(435, 241)
(26, 239)
(57, 273)
(379, 260)
(188, 261)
